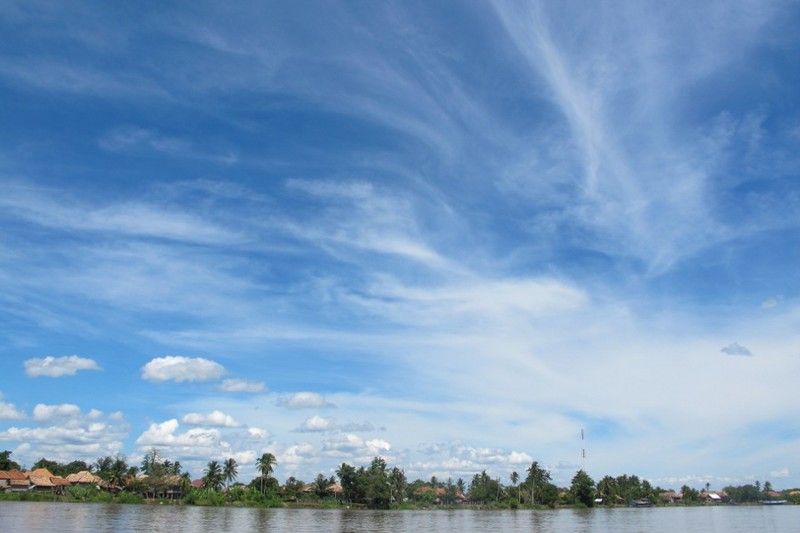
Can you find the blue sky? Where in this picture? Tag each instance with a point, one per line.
(451, 235)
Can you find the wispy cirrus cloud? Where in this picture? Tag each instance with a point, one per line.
(444, 253)
(242, 385)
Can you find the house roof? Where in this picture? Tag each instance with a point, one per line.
(197, 483)
(40, 472)
(59, 481)
(42, 481)
(335, 488)
(438, 491)
(84, 477)
(15, 478)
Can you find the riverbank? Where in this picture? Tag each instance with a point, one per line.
(101, 497)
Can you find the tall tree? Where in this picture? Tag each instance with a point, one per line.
(321, 485)
(582, 489)
(537, 478)
(230, 471)
(213, 476)
(6, 463)
(348, 479)
(514, 481)
(397, 479)
(265, 465)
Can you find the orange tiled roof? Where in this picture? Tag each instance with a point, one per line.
(41, 481)
(40, 472)
(84, 477)
(16, 475)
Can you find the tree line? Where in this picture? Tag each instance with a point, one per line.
(374, 485)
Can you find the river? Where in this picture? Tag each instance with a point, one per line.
(78, 517)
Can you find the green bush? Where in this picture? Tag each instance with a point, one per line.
(128, 497)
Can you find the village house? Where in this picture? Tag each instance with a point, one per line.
(15, 481)
(670, 496)
(712, 497)
(439, 493)
(85, 478)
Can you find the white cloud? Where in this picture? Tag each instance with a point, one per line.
(297, 454)
(320, 424)
(488, 456)
(138, 140)
(350, 445)
(73, 437)
(44, 413)
(197, 445)
(124, 219)
(769, 303)
(315, 423)
(780, 473)
(214, 418)
(179, 368)
(244, 458)
(304, 400)
(242, 385)
(343, 442)
(257, 433)
(58, 366)
(8, 411)
(736, 349)
(193, 440)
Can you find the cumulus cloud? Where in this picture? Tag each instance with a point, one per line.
(315, 423)
(179, 368)
(215, 418)
(242, 385)
(304, 400)
(66, 439)
(44, 413)
(55, 367)
(8, 411)
(297, 454)
(736, 349)
(164, 434)
(257, 433)
(195, 445)
(353, 446)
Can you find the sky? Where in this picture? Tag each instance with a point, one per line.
(450, 234)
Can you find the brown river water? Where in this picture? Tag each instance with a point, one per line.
(78, 517)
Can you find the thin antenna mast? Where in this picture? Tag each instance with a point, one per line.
(583, 452)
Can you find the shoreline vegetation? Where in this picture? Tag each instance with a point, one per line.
(163, 482)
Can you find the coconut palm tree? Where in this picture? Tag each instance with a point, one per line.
(514, 480)
(230, 470)
(213, 476)
(266, 465)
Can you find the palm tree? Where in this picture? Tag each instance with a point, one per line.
(265, 465)
(229, 471)
(514, 479)
(213, 477)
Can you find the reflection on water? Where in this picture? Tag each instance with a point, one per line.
(74, 517)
